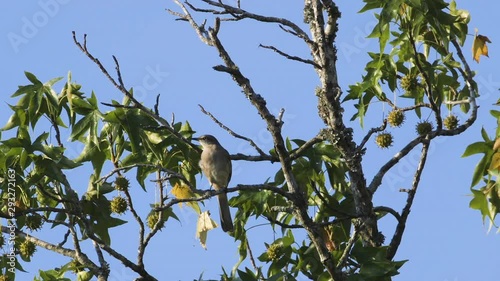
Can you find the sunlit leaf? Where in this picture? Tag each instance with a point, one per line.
(204, 225)
(479, 46)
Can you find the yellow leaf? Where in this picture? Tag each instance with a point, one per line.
(479, 46)
(495, 162)
(182, 191)
(205, 224)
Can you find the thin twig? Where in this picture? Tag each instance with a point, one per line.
(370, 133)
(388, 210)
(377, 179)
(240, 14)
(320, 137)
(290, 57)
(120, 86)
(252, 260)
(232, 133)
(400, 228)
(348, 248)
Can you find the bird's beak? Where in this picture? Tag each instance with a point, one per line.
(195, 139)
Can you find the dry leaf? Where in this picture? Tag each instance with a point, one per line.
(205, 224)
(479, 46)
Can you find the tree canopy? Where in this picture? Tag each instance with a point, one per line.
(317, 198)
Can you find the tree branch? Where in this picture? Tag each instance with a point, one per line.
(370, 133)
(211, 193)
(120, 86)
(400, 228)
(232, 133)
(242, 14)
(290, 57)
(345, 254)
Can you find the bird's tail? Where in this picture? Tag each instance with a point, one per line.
(225, 215)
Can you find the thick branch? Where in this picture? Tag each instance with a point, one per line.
(54, 248)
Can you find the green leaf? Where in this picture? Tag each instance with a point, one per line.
(484, 134)
(479, 202)
(84, 276)
(475, 148)
(481, 168)
(32, 78)
(247, 275)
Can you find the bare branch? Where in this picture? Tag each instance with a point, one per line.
(139, 221)
(377, 179)
(457, 102)
(120, 86)
(370, 133)
(211, 193)
(389, 210)
(200, 30)
(232, 133)
(239, 13)
(345, 254)
(118, 105)
(400, 228)
(308, 144)
(157, 225)
(290, 57)
(252, 260)
(51, 247)
(257, 158)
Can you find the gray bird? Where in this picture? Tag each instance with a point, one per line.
(216, 165)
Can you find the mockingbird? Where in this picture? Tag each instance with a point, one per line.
(216, 165)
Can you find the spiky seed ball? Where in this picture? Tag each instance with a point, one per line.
(121, 183)
(75, 266)
(396, 118)
(119, 205)
(450, 122)
(384, 140)
(274, 251)
(153, 218)
(409, 82)
(424, 127)
(34, 222)
(27, 249)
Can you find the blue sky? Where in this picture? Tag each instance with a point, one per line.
(444, 239)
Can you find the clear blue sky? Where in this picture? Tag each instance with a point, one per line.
(444, 239)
